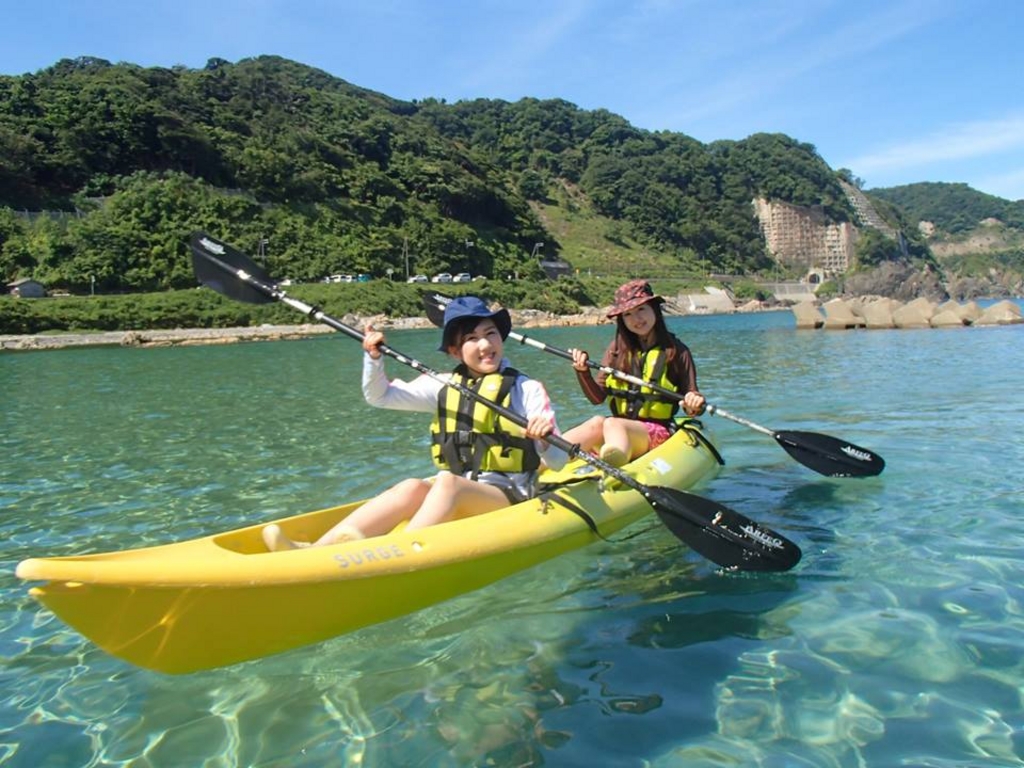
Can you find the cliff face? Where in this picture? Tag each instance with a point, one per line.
(990, 236)
(799, 236)
(902, 282)
(802, 237)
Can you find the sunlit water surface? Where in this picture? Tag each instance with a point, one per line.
(898, 640)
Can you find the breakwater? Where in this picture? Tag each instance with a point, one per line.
(874, 313)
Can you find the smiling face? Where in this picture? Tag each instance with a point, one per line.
(480, 348)
(640, 320)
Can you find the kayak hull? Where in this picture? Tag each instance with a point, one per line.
(222, 599)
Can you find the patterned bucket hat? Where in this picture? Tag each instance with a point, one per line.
(632, 295)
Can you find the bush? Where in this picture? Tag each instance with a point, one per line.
(827, 290)
(745, 290)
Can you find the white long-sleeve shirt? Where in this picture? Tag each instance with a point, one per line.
(527, 398)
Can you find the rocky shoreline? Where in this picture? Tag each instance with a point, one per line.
(203, 336)
(863, 312)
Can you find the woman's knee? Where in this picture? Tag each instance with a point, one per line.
(408, 488)
(587, 432)
(444, 482)
(616, 427)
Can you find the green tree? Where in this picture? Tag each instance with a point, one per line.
(874, 248)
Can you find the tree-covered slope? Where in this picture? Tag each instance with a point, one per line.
(952, 208)
(342, 179)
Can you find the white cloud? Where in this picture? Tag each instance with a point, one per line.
(958, 141)
(513, 58)
(790, 46)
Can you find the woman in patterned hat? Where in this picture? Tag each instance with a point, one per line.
(643, 346)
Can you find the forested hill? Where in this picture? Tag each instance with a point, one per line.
(348, 180)
(953, 208)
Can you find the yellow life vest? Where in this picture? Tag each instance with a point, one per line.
(467, 435)
(633, 402)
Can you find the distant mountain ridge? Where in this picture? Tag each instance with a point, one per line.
(952, 207)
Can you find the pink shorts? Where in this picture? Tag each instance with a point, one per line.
(656, 434)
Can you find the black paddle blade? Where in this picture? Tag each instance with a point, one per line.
(216, 265)
(720, 534)
(830, 456)
(434, 303)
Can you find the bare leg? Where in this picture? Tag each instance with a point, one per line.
(452, 495)
(382, 513)
(378, 515)
(624, 439)
(588, 435)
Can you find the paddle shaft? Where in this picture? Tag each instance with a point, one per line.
(623, 376)
(714, 410)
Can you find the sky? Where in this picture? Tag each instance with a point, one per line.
(896, 91)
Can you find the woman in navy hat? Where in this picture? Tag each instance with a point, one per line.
(485, 462)
(643, 346)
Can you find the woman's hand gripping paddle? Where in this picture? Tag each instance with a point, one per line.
(718, 533)
(825, 454)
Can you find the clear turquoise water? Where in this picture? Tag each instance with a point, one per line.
(899, 640)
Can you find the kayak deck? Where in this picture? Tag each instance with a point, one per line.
(222, 599)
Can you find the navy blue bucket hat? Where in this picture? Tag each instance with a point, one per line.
(471, 306)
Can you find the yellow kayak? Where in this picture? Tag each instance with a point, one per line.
(222, 599)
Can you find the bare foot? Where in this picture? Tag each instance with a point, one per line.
(341, 534)
(276, 541)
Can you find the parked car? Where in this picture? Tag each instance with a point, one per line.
(417, 279)
(340, 279)
(443, 277)
(462, 277)
(362, 277)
